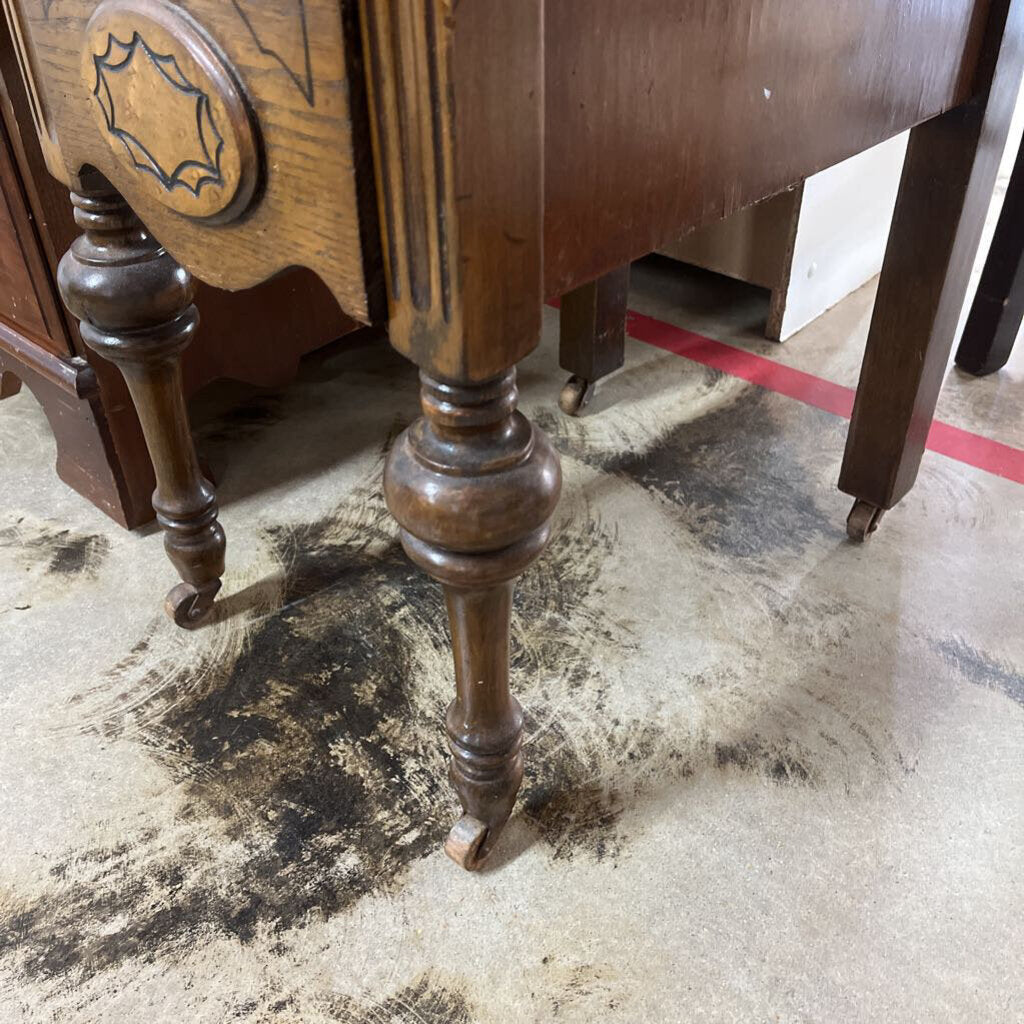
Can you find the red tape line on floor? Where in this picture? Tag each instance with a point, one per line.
(963, 445)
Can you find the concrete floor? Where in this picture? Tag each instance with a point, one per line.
(771, 775)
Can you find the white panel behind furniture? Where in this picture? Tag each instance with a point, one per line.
(841, 231)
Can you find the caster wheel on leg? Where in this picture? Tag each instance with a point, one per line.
(465, 842)
(575, 395)
(188, 606)
(863, 520)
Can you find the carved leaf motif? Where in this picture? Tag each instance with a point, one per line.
(162, 119)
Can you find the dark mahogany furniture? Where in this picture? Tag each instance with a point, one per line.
(484, 156)
(256, 336)
(998, 308)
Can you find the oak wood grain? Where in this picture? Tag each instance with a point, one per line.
(292, 59)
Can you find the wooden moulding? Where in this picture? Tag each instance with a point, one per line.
(460, 200)
(74, 376)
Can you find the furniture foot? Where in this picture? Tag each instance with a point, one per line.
(575, 395)
(998, 308)
(473, 485)
(134, 304)
(863, 520)
(592, 342)
(188, 605)
(465, 840)
(68, 392)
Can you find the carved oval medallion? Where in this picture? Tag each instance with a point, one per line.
(169, 104)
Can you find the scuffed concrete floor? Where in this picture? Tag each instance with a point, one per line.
(771, 775)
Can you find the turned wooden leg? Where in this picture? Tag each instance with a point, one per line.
(473, 486)
(592, 341)
(998, 307)
(134, 303)
(947, 184)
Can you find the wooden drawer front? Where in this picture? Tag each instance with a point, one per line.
(227, 124)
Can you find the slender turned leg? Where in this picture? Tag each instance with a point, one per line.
(134, 303)
(473, 486)
(947, 184)
(998, 307)
(592, 341)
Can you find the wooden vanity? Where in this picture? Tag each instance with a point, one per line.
(449, 167)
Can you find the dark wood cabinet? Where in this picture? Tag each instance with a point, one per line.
(257, 335)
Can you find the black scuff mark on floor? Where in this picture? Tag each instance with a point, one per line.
(980, 669)
(75, 555)
(254, 411)
(59, 552)
(763, 757)
(309, 770)
(741, 477)
(737, 477)
(577, 791)
(311, 767)
(579, 987)
(576, 797)
(428, 1000)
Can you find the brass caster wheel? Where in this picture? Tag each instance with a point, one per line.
(189, 605)
(465, 842)
(575, 395)
(863, 520)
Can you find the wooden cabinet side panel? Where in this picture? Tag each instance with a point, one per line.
(18, 303)
(291, 60)
(664, 115)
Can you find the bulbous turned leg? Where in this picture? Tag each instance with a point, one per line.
(473, 485)
(134, 303)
